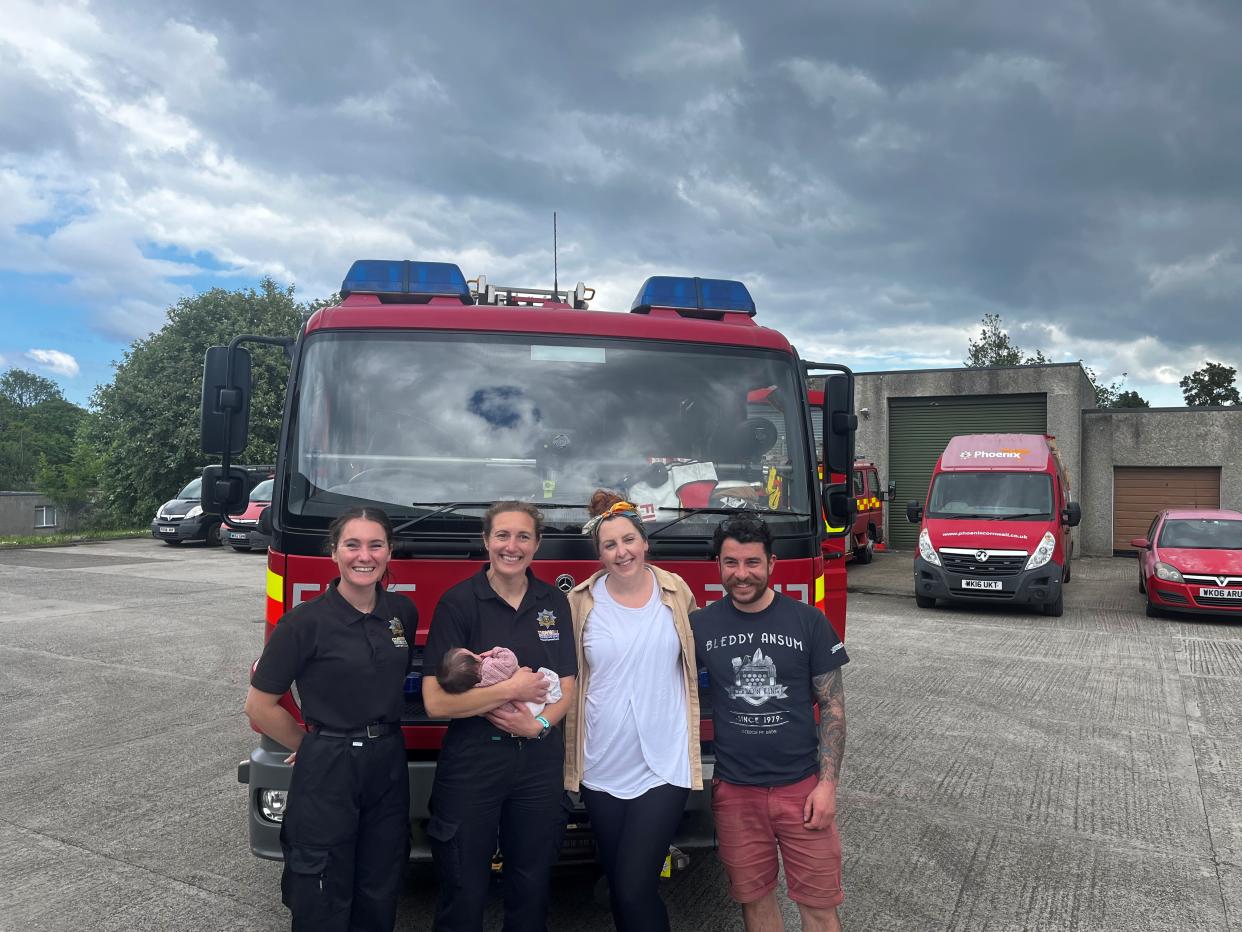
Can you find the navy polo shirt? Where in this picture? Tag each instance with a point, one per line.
(539, 631)
(349, 665)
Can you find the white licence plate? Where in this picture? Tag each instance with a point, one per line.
(982, 584)
(165, 529)
(1221, 593)
(235, 535)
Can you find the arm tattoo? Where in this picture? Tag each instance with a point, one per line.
(830, 692)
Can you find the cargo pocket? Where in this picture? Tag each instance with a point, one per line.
(446, 850)
(308, 886)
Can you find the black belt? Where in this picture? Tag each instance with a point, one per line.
(374, 730)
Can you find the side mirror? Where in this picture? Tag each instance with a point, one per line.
(892, 489)
(1140, 543)
(224, 493)
(914, 512)
(839, 506)
(225, 420)
(1072, 514)
(265, 521)
(840, 422)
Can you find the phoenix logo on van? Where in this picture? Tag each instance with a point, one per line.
(993, 454)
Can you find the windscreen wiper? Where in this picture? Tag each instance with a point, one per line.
(691, 512)
(1024, 514)
(446, 508)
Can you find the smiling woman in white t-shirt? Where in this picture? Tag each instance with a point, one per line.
(632, 733)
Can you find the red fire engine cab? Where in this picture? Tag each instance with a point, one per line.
(432, 397)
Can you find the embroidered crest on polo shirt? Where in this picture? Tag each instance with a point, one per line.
(398, 633)
(546, 620)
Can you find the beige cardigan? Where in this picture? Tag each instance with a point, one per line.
(677, 596)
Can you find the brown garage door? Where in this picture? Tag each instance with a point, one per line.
(1140, 492)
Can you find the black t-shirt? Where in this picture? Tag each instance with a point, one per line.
(349, 665)
(760, 666)
(539, 631)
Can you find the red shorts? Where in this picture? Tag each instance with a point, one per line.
(752, 822)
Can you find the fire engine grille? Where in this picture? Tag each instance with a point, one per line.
(967, 565)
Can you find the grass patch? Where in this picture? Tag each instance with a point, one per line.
(56, 540)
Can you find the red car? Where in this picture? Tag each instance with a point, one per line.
(1191, 561)
(251, 538)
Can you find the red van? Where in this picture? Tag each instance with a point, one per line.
(996, 525)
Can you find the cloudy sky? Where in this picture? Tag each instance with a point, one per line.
(880, 172)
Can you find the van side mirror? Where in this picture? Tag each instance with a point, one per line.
(1072, 514)
(225, 492)
(891, 491)
(265, 521)
(225, 422)
(914, 512)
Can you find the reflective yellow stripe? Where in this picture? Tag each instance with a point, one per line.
(275, 587)
(819, 589)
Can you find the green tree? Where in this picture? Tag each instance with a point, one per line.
(147, 430)
(26, 389)
(73, 484)
(35, 421)
(996, 348)
(1129, 399)
(1211, 386)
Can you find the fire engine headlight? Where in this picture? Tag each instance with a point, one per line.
(1043, 553)
(194, 512)
(1168, 573)
(272, 804)
(926, 550)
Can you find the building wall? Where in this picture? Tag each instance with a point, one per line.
(17, 514)
(1066, 386)
(1154, 437)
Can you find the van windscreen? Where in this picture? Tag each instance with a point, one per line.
(995, 495)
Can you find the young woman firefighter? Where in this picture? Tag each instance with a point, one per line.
(346, 829)
(499, 774)
(632, 734)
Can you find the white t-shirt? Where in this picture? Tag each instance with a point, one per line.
(636, 734)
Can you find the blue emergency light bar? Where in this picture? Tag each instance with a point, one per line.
(403, 277)
(696, 294)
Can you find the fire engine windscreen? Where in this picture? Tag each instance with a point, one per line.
(997, 495)
(410, 419)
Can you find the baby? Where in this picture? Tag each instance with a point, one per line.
(461, 670)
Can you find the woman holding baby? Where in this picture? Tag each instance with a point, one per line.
(632, 732)
(499, 775)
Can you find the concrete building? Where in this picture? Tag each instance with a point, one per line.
(1124, 464)
(25, 514)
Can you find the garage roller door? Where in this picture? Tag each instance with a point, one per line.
(919, 429)
(1140, 492)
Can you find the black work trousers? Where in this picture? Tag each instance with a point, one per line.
(346, 834)
(633, 836)
(495, 791)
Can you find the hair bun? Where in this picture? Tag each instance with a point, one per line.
(602, 500)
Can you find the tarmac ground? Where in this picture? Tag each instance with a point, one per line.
(1005, 771)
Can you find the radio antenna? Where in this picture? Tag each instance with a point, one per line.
(555, 269)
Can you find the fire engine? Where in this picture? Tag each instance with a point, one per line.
(432, 396)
